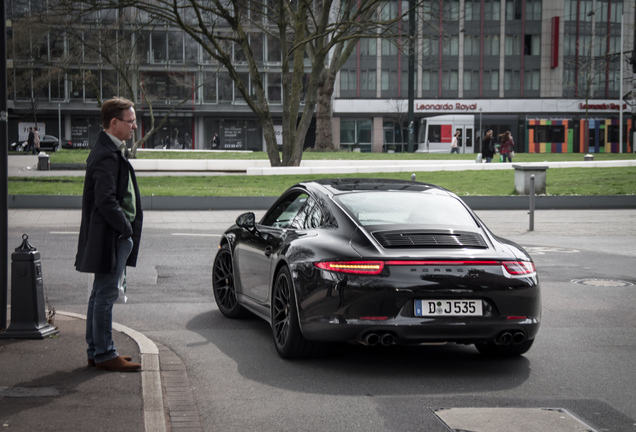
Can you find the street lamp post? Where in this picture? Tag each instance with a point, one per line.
(620, 97)
(481, 132)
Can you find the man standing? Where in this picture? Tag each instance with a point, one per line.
(110, 230)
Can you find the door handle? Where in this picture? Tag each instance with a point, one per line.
(268, 251)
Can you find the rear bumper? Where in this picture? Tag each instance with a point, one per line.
(406, 331)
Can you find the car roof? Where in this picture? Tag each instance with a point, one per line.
(344, 185)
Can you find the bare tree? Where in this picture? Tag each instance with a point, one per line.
(306, 32)
(116, 45)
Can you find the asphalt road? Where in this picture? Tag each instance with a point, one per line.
(583, 359)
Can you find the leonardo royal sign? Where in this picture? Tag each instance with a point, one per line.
(446, 107)
(603, 107)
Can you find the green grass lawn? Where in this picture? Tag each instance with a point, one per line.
(560, 181)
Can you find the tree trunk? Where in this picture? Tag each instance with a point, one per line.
(324, 130)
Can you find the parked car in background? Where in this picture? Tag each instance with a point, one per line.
(377, 262)
(49, 142)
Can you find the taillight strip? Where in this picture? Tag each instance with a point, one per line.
(514, 268)
(442, 262)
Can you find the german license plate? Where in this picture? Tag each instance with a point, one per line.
(448, 308)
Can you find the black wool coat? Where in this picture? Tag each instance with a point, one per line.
(103, 220)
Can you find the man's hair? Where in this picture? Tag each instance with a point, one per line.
(112, 108)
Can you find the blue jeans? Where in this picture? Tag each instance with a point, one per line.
(506, 156)
(99, 317)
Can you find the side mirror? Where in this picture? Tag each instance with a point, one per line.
(247, 221)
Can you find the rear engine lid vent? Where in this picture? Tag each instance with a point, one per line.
(430, 239)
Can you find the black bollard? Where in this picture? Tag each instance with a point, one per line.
(28, 314)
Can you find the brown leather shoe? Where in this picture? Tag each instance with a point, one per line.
(118, 364)
(91, 362)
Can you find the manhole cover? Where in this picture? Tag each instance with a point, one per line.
(510, 419)
(599, 282)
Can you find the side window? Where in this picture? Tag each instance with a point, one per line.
(286, 211)
(309, 217)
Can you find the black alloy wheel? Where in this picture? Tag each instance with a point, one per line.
(288, 337)
(223, 285)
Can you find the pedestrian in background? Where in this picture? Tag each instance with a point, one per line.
(110, 230)
(488, 147)
(454, 148)
(507, 146)
(36, 141)
(30, 142)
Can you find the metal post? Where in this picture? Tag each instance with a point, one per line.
(411, 75)
(4, 163)
(531, 212)
(620, 97)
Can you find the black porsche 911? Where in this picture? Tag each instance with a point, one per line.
(377, 262)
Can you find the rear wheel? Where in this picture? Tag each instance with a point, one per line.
(223, 285)
(288, 337)
(493, 350)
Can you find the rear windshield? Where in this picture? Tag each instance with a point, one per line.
(379, 208)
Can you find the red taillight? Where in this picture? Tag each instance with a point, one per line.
(355, 267)
(519, 268)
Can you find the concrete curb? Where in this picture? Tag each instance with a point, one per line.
(542, 202)
(152, 391)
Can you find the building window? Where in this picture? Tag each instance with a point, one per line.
(368, 47)
(430, 46)
(471, 45)
(274, 52)
(471, 80)
(57, 87)
(208, 87)
(405, 81)
(491, 45)
(531, 79)
(158, 47)
(224, 87)
(191, 48)
(532, 45)
(512, 80)
(472, 10)
(389, 47)
(175, 47)
(512, 45)
(513, 10)
(355, 131)
(491, 80)
(274, 88)
(348, 80)
(450, 10)
(450, 45)
(389, 80)
(368, 80)
(533, 10)
(427, 80)
(450, 80)
(492, 10)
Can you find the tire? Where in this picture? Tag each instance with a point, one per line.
(223, 285)
(288, 338)
(491, 349)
